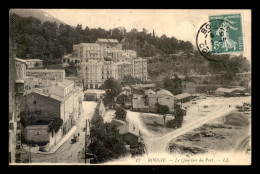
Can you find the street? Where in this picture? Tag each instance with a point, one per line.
(69, 153)
(218, 107)
(196, 117)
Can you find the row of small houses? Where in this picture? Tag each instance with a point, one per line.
(143, 99)
(139, 99)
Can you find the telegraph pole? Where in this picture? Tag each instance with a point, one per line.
(85, 141)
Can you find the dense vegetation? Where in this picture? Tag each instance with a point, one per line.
(173, 85)
(41, 118)
(167, 65)
(49, 42)
(106, 143)
(179, 113)
(120, 114)
(113, 89)
(162, 109)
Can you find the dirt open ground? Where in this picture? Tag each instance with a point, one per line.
(155, 123)
(229, 133)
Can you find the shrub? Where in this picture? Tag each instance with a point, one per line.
(40, 118)
(120, 114)
(171, 124)
(55, 125)
(96, 119)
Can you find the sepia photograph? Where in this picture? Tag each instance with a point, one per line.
(130, 87)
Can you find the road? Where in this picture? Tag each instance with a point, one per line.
(196, 117)
(69, 153)
(160, 144)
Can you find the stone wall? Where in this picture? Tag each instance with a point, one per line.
(37, 134)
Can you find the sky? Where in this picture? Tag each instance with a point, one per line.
(182, 24)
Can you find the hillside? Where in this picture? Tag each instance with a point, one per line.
(166, 55)
(39, 14)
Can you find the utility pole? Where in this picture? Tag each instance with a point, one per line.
(85, 141)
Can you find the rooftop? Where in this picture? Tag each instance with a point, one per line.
(151, 85)
(96, 91)
(123, 62)
(28, 60)
(40, 92)
(107, 40)
(45, 70)
(129, 128)
(117, 122)
(156, 95)
(88, 44)
(65, 83)
(149, 91)
(183, 95)
(166, 92)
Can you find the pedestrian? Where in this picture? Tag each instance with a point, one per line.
(78, 134)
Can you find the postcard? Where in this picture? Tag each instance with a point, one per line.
(129, 87)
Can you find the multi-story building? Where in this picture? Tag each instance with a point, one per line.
(94, 73)
(66, 59)
(129, 54)
(13, 106)
(140, 68)
(108, 70)
(88, 51)
(62, 99)
(123, 69)
(109, 45)
(32, 82)
(31, 63)
(113, 63)
(50, 74)
(121, 55)
(20, 69)
(115, 55)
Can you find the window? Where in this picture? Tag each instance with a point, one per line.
(34, 102)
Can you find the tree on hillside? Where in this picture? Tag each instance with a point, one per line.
(163, 110)
(173, 85)
(120, 114)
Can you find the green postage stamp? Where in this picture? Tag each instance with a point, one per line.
(226, 33)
